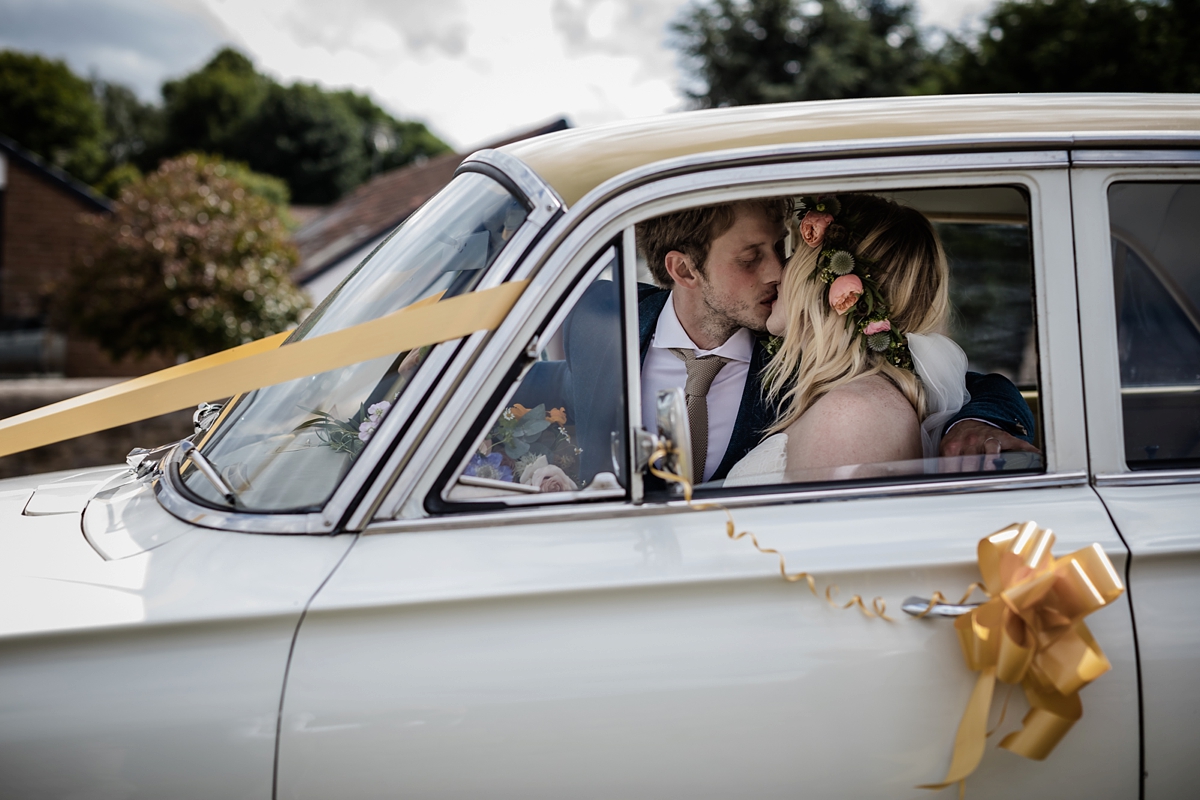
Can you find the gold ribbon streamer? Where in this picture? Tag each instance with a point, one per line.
(1030, 632)
(731, 531)
(258, 364)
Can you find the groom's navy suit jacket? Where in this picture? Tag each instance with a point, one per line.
(587, 383)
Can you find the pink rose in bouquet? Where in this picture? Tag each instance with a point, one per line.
(552, 479)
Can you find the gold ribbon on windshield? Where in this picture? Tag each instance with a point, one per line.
(1031, 632)
(256, 365)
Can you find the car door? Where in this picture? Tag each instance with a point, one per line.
(1139, 268)
(502, 644)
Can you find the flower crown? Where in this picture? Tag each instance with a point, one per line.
(850, 289)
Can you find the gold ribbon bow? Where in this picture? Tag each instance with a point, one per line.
(1031, 632)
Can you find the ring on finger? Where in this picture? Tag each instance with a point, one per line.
(991, 439)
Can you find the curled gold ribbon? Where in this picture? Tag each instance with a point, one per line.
(258, 364)
(1030, 632)
(665, 449)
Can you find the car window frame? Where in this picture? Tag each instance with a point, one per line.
(1041, 174)
(440, 502)
(1093, 172)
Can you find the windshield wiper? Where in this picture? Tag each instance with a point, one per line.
(209, 471)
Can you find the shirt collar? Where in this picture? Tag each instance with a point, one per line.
(670, 333)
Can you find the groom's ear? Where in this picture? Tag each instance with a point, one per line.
(681, 269)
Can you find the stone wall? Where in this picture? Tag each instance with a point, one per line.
(106, 447)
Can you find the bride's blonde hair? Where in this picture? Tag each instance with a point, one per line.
(820, 352)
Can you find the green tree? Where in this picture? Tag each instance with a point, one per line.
(1080, 46)
(322, 143)
(307, 137)
(133, 130)
(190, 262)
(50, 110)
(765, 51)
(388, 142)
(209, 109)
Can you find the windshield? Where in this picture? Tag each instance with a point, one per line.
(286, 447)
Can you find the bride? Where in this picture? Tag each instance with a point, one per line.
(862, 375)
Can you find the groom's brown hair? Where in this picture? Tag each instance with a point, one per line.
(693, 230)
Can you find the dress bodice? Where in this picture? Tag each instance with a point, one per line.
(765, 464)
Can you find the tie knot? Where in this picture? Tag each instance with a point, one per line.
(701, 371)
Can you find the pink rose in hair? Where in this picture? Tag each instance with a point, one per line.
(812, 227)
(844, 293)
(882, 326)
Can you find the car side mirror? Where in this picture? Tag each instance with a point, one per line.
(675, 431)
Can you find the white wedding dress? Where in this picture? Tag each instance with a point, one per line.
(939, 363)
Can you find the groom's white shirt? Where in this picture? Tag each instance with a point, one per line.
(662, 369)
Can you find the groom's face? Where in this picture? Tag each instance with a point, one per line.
(741, 276)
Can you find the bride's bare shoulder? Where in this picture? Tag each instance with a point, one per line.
(863, 421)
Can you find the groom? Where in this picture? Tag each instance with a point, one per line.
(718, 270)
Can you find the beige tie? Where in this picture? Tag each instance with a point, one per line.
(700, 374)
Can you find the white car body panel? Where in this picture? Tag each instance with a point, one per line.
(655, 657)
(149, 676)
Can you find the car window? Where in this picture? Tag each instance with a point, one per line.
(1156, 277)
(558, 433)
(286, 447)
(985, 234)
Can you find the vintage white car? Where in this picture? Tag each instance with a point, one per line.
(343, 588)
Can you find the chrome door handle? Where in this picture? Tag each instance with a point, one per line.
(916, 606)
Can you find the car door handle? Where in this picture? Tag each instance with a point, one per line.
(917, 607)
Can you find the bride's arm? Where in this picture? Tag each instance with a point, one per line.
(863, 422)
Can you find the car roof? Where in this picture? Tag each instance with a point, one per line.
(576, 161)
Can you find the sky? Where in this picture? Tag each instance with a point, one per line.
(472, 70)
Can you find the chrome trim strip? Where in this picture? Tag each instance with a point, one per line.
(975, 153)
(545, 200)
(1149, 477)
(633, 360)
(1155, 158)
(507, 517)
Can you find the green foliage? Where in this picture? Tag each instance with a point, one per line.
(208, 109)
(1081, 46)
(767, 51)
(117, 178)
(133, 129)
(307, 137)
(189, 263)
(388, 142)
(321, 143)
(49, 110)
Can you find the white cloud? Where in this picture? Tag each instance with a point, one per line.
(472, 69)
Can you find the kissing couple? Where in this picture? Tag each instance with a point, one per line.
(861, 375)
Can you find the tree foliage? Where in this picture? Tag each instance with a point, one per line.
(1081, 46)
(208, 109)
(307, 137)
(50, 110)
(191, 262)
(766, 51)
(322, 143)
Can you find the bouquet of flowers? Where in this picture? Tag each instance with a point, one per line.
(347, 435)
(531, 446)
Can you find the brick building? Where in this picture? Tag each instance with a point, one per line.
(40, 234)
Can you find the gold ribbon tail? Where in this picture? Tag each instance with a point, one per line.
(972, 732)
